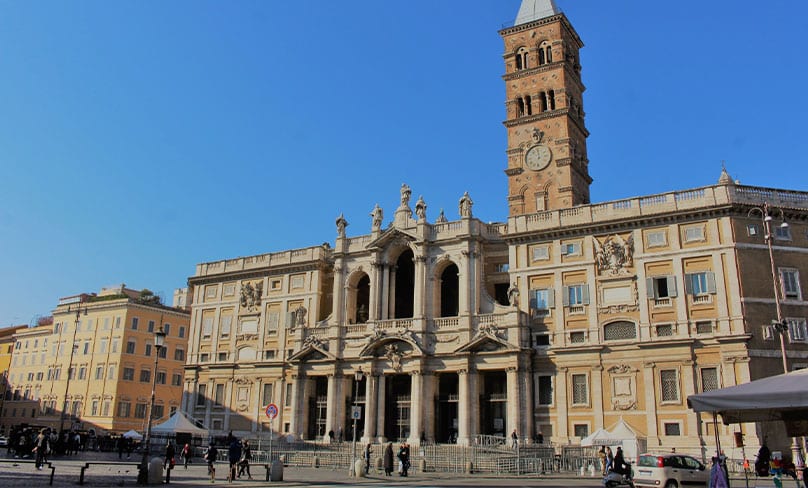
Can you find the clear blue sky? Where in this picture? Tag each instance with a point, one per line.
(140, 138)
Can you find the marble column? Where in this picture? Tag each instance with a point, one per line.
(416, 407)
(375, 291)
(381, 394)
(338, 300)
(371, 410)
(463, 408)
(420, 286)
(384, 302)
(429, 387)
(331, 423)
(513, 410)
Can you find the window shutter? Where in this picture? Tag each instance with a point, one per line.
(671, 286)
(711, 282)
(688, 284)
(585, 294)
(290, 320)
(649, 288)
(566, 297)
(533, 299)
(550, 298)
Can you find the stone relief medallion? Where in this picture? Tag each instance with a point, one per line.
(624, 391)
(392, 353)
(614, 254)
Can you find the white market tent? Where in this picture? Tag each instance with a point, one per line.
(178, 423)
(133, 434)
(600, 437)
(620, 435)
(782, 397)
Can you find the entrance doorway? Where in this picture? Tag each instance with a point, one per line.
(446, 423)
(397, 407)
(494, 403)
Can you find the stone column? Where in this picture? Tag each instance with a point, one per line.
(416, 407)
(375, 291)
(391, 292)
(526, 395)
(333, 402)
(463, 408)
(297, 411)
(385, 291)
(381, 395)
(338, 300)
(371, 402)
(465, 281)
(428, 400)
(420, 286)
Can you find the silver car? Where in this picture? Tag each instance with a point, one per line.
(670, 471)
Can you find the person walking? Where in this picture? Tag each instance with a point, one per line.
(388, 459)
(514, 439)
(609, 459)
(169, 462)
(244, 463)
(210, 457)
(234, 456)
(602, 458)
(41, 448)
(186, 455)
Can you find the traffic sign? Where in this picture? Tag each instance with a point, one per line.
(272, 411)
(356, 412)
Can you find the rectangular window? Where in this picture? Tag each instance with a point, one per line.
(661, 287)
(207, 326)
(124, 409)
(204, 357)
(161, 378)
(576, 295)
(82, 373)
(580, 391)
(796, 330)
(790, 279)
(147, 350)
(273, 318)
(768, 333)
(694, 233)
(752, 230)
(782, 233)
(577, 337)
(99, 373)
(140, 410)
(269, 354)
(182, 332)
(128, 374)
(104, 343)
(167, 329)
(158, 411)
(114, 346)
(87, 348)
(218, 397)
(709, 379)
(704, 327)
(179, 354)
(501, 268)
(130, 347)
(94, 408)
(111, 372)
(571, 249)
(275, 285)
(545, 390)
(225, 324)
(105, 409)
(698, 284)
(542, 301)
(541, 339)
(162, 352)
(541, 253)
(145, 375)
(664, 330)
(176, 379)
(669, 385)
(106, 323)
(657, 238)
(581, 430)
(266, 396)
(151, 326)
(672, 429)
(201, 391)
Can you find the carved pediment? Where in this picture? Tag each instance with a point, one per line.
(488, 339)
(391, 237)
(399, 344)
(312, 349)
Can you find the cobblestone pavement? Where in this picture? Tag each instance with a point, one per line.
(21, 473)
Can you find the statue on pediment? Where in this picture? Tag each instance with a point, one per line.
(464, 206)
(377, 216)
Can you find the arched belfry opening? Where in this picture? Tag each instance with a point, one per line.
(404, 292)
(358, 299)
(449, 291)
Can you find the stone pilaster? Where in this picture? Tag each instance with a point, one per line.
(416, 407)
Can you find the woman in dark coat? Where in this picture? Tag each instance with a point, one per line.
(388, 459)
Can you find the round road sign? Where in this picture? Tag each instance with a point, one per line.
(272, 411)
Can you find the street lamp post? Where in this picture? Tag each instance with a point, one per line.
(70, 371)
(355, 415)
(143, 474)
(779, 324)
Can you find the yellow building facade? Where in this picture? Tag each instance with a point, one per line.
(568, 317)
(98, 360)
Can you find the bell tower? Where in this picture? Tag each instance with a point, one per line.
(547, 159)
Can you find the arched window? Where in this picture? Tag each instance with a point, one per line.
(404, 286)
(449, 291)
(520, 107)
(545, 53)
(357, 302)
(528, 105)
(551, 100)
(522, 59)
(549, 54)
(619, 331)
(543, 102)
(541, 57)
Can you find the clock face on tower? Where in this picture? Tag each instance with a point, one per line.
(538, 157)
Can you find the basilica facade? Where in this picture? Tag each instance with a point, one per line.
(568, 317)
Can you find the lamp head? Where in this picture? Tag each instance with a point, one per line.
(784, 225)
(159, 338)
(767, 218)
(359, 375)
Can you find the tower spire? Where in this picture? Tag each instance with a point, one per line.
(534, 10)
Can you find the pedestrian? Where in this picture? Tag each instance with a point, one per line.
(331, 436)
(210, 457)
(619, 463)
(169, 462)
(186, 455)
(602, 458)
(368, 450)
(233, 456)
(515, 439)
(388, 459)
(41, 448)
(403, 459)
(609, 459)
(244, 462)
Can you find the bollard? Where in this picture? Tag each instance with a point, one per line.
(156, 471)
(581, 471)
(359, 468)
(469, 467)
(422, 465)
(276, 471)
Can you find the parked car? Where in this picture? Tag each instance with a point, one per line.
(670, 471)
(3, 441)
